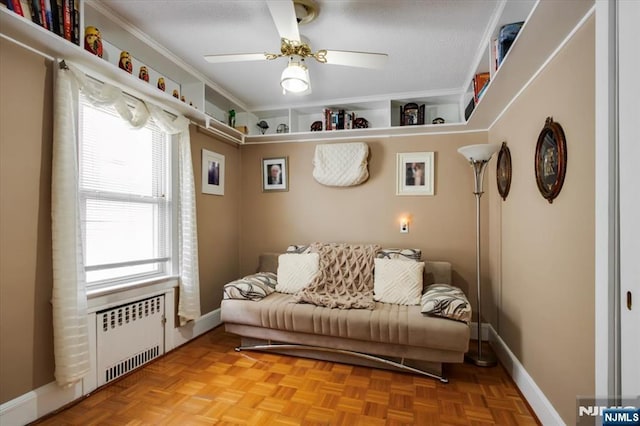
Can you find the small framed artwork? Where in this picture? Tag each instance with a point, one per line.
(212, 173)
(551, 160)
(275, 174)
(414, 173)
(503, 171)
(411, 114)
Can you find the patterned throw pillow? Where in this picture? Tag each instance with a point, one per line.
(443, 300)
(398, 253)
(300, 249)
(296, 271)
(252, 287)
(397, 281)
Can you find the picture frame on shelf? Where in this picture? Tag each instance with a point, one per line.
(411, 114)
(212, 173)
(503, 171)
(550, 159)
(414, 173)
(275, 174)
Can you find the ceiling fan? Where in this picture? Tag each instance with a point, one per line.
(295, 77)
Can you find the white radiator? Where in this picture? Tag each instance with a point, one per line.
(129, 336)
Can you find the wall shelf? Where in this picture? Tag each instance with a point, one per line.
(547, 25)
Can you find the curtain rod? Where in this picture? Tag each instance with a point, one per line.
(211, 132)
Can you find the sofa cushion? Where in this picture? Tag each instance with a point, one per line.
(397, 281)
(251, 287)
(399, 253)
(386, 323)
(296, 271)
(446, 301)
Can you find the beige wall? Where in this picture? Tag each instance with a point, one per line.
(26, 354)
(26, 337)
(443, 226)
(542, 254)
(218, 221)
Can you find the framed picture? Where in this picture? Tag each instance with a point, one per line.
(414, 173)
(212, 173)
(503, 171)
(411, 114)
(551, 160)
(275, 174)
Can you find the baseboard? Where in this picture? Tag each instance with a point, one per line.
(193, 329)
(37, 403)
(545, 411)
(50, 397)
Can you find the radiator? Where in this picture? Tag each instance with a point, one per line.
(129, 336)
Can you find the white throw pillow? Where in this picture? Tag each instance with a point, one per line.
(397, 281)
(296, 271)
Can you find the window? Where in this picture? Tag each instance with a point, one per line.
(125, 198)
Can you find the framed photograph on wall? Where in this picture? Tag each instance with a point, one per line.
(414, 173)
(212, 173)
(275, 174)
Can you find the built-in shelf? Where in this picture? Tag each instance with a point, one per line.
(547, 26)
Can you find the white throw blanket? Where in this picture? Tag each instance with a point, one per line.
(342, 164)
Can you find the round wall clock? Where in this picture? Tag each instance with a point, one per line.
(503, 171)
(551, 159)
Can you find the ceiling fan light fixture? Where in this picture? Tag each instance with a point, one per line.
(295, 77)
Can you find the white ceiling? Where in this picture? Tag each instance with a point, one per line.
(432, 45)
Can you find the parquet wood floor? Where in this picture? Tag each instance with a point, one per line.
(206, 382)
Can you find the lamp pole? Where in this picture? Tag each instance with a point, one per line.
(479, 156)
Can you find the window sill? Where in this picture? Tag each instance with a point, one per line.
(101, 298)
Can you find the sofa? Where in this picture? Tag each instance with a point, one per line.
(390, 335)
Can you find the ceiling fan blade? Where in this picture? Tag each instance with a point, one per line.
(235, 57)
(356, 59)
(284, 16)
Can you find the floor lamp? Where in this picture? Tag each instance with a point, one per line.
(479, 156)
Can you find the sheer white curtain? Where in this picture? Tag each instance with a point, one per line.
(71, 347)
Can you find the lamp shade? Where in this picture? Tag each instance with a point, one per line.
(479, 152)
(295, 78)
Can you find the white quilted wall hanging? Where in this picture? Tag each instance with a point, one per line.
(341, 164)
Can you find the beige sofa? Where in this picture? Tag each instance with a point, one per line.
(391, 336)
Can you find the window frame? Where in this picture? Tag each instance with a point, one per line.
(166, 266)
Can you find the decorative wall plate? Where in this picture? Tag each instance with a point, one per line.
(503, 171)
(551, 159)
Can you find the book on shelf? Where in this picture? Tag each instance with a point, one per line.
(15, 6)
(469, 109)
(506, 37)
(66, 19)
(338, 120)
(480, 81)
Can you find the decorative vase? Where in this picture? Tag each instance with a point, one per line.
(143, 74)
(93, 41)
(125, 62)
(161, 84)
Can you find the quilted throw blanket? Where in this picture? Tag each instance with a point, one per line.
(344, 279)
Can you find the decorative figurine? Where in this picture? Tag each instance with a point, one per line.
(232, 118)
(93, 41)
(438, 120)
(316, 126)
(125, 62)
(282, 128)
(263, 126)
(161, 83)
(360, 123)
(143, 74)
(183, 99)
(176, 94)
